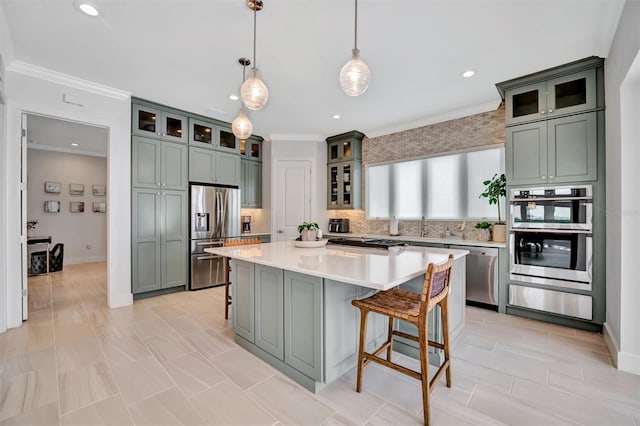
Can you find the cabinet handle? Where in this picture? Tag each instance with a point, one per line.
(550, 177)
(550, 110)
(280, 231)
(164, 184)
(542, 111)
(543, 177)
(158, 193)
(158, 184)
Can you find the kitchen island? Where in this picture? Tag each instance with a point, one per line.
(292, 306)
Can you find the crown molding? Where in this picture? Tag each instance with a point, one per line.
(67, 80)
(426, 121)
(65, 150)
(301, 137)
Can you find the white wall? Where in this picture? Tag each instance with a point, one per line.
(36, 90)
(76, 231)
(622, 94)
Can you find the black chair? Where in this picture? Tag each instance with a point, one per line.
(39, 260)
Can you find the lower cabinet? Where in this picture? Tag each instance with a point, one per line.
(159, 229)
(279, 312)
(269, 308)
(303, 323)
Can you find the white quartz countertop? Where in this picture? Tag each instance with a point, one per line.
(457, 241)
(375, 268)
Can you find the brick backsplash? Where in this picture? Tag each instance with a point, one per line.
(468, 132)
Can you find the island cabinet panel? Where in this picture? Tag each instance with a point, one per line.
(303, 323)
(269, 310)
(243, 319)
(342, 328)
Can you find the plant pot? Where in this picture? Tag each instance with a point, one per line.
(499, 232)
(308, 235)
(483, 234)
(29, 233)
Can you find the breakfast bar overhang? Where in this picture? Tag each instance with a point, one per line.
(292, 306)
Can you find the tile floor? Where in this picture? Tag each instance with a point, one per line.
(171, 360)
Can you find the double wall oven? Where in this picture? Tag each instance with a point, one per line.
(551, 246)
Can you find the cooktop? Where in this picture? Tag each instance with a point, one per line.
(366, 242)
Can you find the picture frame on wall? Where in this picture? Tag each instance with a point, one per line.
(52, 187)
(76, 189)
(76, 206)
(99, 190)
(52, 206)
(99, 207)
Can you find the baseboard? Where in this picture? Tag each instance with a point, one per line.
(79, 260)
(623, 361)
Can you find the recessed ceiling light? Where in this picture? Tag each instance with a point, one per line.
(234, 97)
(468, 73)
(89, 9)
(74, 144)
(336, 116)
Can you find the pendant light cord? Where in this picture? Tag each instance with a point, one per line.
(355, 38)
(255, 8)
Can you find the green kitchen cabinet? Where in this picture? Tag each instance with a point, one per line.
(210, 166)
(303, 323)
(553, 151)
(569, 89)
(345, 147)
(158, 164)
(154, 122)
(243, 296)
(212, 134)
(251, 185)
(269, 310)
(252, 148)
(344, 171)
(159, 239)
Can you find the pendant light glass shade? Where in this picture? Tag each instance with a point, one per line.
(355, 75)
(241, 126)
(254, 92)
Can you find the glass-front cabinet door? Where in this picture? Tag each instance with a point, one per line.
(334, 186)
(254, 150)
(572, 93)
(146, 121)
(526, 103)
(346, 185)
(227, 140)
(202, 133)
(174, 127)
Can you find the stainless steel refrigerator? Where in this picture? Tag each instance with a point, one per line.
(215, 215)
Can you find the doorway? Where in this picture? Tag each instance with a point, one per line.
(292, 196)
(64, 203)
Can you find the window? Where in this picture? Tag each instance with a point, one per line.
(444, 187)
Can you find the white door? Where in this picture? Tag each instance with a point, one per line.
(293, 197)
(23, 217)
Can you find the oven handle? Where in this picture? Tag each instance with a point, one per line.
(211, 243)
(552, 231)
(208, 257)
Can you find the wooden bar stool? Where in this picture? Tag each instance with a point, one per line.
(413, 308)
(227, 269)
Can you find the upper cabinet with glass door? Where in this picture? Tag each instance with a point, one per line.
(208, 134)
(252, 148)
(158, 124)
(344, 147)
(548, 95)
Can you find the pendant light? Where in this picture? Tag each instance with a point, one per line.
(355, 74)
(254, 92)
(241, 125)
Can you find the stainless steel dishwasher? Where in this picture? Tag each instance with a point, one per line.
(482, 276)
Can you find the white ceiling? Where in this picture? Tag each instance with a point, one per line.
(184, 53)
(58, 135)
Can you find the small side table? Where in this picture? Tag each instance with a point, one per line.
(41, 240)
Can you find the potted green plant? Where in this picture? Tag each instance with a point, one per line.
(482, 231)
(308, 231)
(495, 188)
